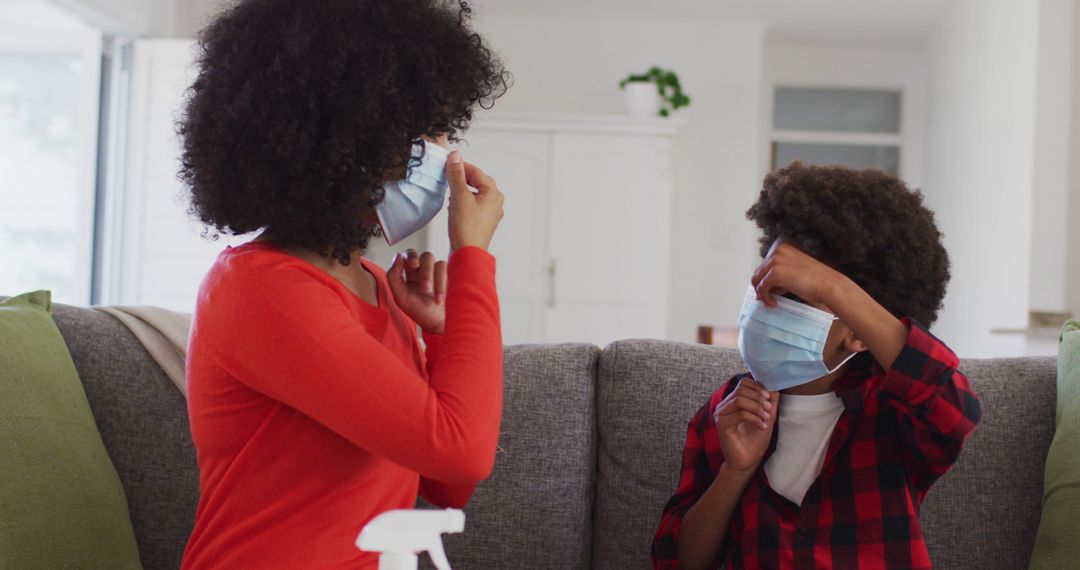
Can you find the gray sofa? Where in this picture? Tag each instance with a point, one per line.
(590, 451)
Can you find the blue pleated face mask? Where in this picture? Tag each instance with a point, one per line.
(782, 346)
(410, 204)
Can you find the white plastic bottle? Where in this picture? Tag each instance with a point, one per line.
(400, 536)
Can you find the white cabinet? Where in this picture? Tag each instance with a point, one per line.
(583, 249)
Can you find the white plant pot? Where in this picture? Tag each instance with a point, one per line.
(642, 99)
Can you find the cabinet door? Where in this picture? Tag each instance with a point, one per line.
(609, 236)
(519, 164)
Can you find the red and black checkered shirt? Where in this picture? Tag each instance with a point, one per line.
(900, 431)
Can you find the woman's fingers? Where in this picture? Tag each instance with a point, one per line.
(472, 219)
(397, 268)
(395, 276)
(420, 270)
(455, 176)
(412, 260)
(427, 272)
(412, 267)
(478, 179)
(440, 282)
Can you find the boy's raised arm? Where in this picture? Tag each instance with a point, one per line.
(937, 409)
(786, 268)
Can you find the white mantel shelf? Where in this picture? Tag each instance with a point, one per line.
(577, 123)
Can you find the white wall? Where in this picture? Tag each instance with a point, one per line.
(137, 17)
(994, 167)
(1072, 237)
(563, 64)
(1051, 155)
(567, 64)
(980, 167)
(192, 15)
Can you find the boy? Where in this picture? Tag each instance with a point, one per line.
(821, 456)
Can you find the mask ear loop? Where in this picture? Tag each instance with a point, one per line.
(844, 361)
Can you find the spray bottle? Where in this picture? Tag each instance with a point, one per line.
(401, 535)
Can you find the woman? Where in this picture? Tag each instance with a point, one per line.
(313, 406)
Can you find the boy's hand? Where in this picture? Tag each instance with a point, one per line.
(787, 269)
(745, 420)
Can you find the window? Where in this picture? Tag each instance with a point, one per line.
(49, 85)
(850, 127)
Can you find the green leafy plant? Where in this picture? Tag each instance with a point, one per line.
(667, 83)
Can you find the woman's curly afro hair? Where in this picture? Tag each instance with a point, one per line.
(865, 224)
(302, 109)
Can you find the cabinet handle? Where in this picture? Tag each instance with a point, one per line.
(551, 300)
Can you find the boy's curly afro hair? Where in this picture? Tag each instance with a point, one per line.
(302, 109)
(866, 224)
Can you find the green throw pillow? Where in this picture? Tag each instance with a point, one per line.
(1058, 542)
(61, 503)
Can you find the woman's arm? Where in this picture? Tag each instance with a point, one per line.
(285, 334)
(446, 495)
(439, 493)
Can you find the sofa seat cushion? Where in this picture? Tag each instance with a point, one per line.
(61, 502)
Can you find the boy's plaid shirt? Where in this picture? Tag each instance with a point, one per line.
(899, 432)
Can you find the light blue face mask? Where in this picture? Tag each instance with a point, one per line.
(410, 204)
(782, 346)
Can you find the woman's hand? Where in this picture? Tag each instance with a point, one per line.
(418, 283)
(473, 217)
(745, 420)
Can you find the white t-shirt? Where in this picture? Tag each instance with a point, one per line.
(806, 424)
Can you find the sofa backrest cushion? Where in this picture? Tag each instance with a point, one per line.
(646, 393)
(143, 421)
(983, 514)
(1056, 545)
(534, 511)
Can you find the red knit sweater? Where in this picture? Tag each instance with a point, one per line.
(313, 411)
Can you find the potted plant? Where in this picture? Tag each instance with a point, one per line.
(655, 92)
